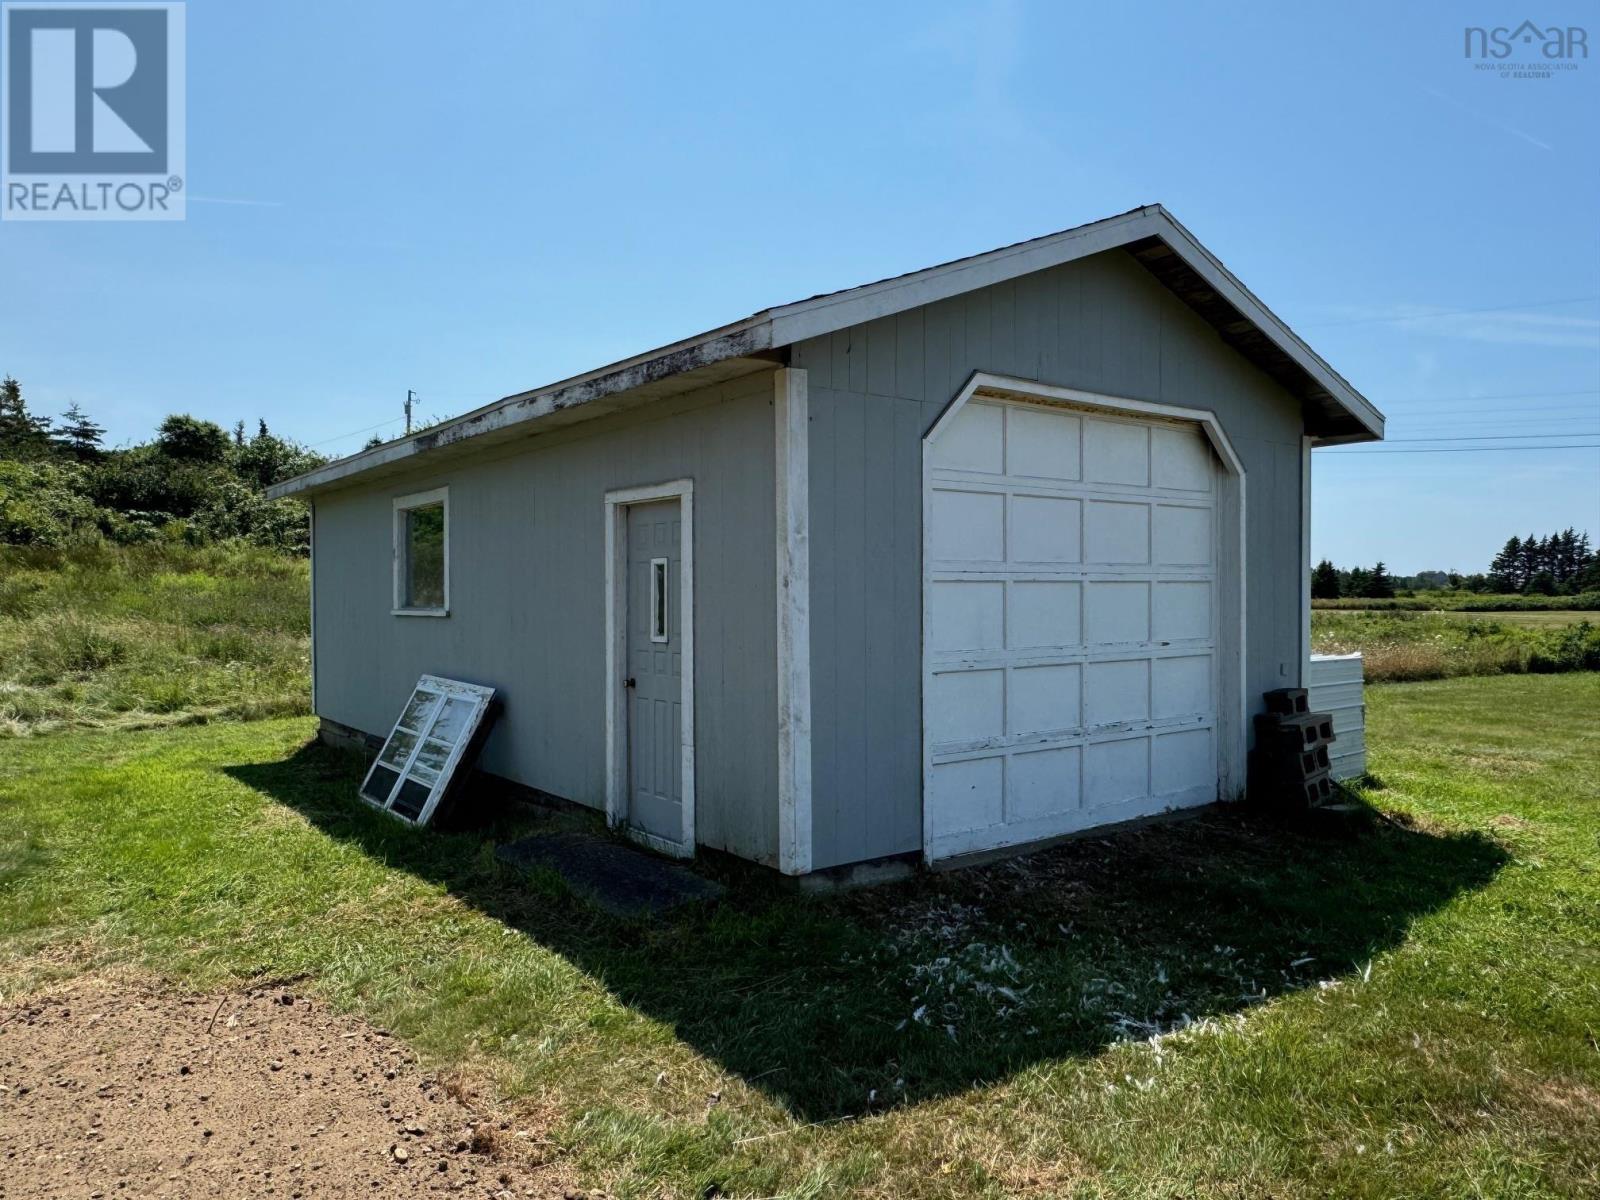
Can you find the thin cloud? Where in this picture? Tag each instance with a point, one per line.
(235, 202)
(1505, 327)
(1494, 122)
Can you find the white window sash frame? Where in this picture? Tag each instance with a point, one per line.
(403, 505)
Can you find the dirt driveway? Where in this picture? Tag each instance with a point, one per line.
(112, 1090)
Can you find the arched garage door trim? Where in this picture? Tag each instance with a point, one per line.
(1229, 600)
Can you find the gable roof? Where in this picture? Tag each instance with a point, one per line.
(1336, 412)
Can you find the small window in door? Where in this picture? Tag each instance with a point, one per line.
(658, 600)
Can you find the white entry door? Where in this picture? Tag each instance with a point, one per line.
(1070, 640)
(655, 675)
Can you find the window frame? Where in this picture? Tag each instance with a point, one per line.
(660, 601)
(435, 693)
(401, 549)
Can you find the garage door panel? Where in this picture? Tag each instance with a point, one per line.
(968, 525)
(966, 706)
(1042, 444)
(1183, 536)
(1044, 698)
(966, 794)
(1116, 531)
(966, 614)
(1181, 686)
(1116, 612)
(1117, 691)
(1044, 783)
(975, 441)
(1180, 459)
(1116, 452)
(1184, 763)
(1116, 772)
(1044, 529)
(1182, 610)
(1044, 612)
(1070, 674)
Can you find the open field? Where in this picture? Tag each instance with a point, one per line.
(1399, 646)
(104, 636)
(1212, 1007)
(1482, 602)
(1533, 618)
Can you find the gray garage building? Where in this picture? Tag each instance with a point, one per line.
(960, 560)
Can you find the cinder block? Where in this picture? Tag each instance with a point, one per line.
(1304, 731)
(1294, 766)
(1288, 701)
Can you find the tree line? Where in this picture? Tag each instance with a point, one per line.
(193, 481)
(1557, 564)
(1371, 583)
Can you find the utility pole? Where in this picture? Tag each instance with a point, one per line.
(410, 396)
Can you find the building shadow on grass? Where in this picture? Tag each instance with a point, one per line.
(913, 991)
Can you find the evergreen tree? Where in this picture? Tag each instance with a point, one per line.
(1355, 582)
(1325, 581)
(1532, 560)
(1505, 571)
(77, 436)
(1380, 585)
(22, 435)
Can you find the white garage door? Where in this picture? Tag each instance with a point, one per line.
(1069, 675)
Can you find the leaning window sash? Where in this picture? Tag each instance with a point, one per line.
(420, 756)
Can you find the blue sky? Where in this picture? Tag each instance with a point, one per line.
(469, 200)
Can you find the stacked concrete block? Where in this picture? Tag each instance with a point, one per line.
(1291, 762)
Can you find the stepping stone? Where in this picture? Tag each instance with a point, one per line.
(616, 878)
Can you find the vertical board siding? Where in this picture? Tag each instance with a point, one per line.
(1101, 324)
(527, 595)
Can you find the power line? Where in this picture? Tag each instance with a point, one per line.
(1340, 452)
(1510, 396)
(1448, 312)
(341, 436)
(1493, 437)
(1509, 423)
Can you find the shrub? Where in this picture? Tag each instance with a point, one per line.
(42, 503)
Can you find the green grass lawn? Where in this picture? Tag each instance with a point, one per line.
(1213, 1007)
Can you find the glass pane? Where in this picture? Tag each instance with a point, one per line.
(425, 556)
(412, 797)
(453, 720)
(430, 761)
(418, 710)
(398, 749)
(658, 600)
(379, 784)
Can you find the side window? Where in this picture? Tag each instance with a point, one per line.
(422, 554)
(660, 624)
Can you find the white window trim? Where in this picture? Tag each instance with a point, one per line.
(617, 504)
(402, 505)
